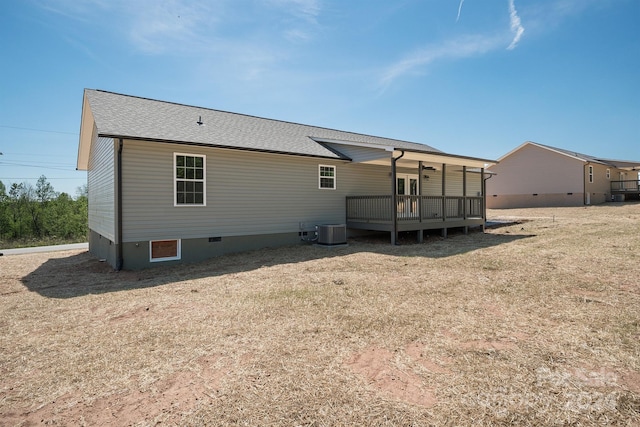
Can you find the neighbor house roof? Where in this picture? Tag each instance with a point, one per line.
(620, 164)
(108, 114)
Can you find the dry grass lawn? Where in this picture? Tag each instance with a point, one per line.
(536, 323)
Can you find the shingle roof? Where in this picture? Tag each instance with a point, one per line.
(126, 116)
(592, 159)
(583, 157)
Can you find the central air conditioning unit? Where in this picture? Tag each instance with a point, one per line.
(332, 234)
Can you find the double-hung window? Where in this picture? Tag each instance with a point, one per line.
(590, 174)
(327, 177)
(190, 179)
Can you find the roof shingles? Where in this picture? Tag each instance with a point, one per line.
(134, 117)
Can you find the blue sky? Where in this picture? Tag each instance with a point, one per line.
(470, 77)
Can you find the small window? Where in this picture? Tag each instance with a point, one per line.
(164, 250)
(327, 177)
(608, 173)
(590, 173)
(190, 180)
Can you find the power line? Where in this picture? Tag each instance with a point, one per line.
(36, 163)
(32, 155)
(38, 130)
(37, 177)
(39, 167)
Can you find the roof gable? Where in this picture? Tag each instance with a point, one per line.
(585, 158)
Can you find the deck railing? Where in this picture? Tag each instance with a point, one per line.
(628, 185)
(413, 208)
(373, 208)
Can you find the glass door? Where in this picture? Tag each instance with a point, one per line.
(407, 185)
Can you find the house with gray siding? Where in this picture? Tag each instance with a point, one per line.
(537, 175)
(171, 183)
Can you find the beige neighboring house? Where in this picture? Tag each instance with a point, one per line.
(536, 175)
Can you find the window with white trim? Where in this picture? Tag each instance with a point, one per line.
(590, 173)
(608, 173)
(190, 179)
(165, 250)
(327, 177)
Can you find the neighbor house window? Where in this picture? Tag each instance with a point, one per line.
(164, 250)
(608, 173)
(327, 177)
(590, 173)
(190, 180)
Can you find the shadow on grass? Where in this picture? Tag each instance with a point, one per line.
(82, 274)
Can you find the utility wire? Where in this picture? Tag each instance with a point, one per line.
(31, 155)
(38, 130)
(39, 167)
(35, 163)
(37, 177)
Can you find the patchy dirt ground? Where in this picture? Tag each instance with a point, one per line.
(534, 323)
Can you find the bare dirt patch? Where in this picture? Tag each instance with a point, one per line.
(376, 365)
(532, 323)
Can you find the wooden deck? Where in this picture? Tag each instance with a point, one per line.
(629, 189)
(414, 213)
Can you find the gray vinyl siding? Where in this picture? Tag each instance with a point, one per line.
(474, 184)
(432, 186)
(101, 187)
(248, 193)
(454, 181)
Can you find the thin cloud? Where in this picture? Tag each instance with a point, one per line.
(205, 30)
(150, 26)
(308, 9)
(459, 48)
(459, 10)
(305, 12)
(516, 25)
(173, 26)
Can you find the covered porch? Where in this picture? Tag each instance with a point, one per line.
(427, 191)
(627, 189)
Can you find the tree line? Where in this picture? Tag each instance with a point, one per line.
(38, 213)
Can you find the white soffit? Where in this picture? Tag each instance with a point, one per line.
(411, 158)
(440, 159)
